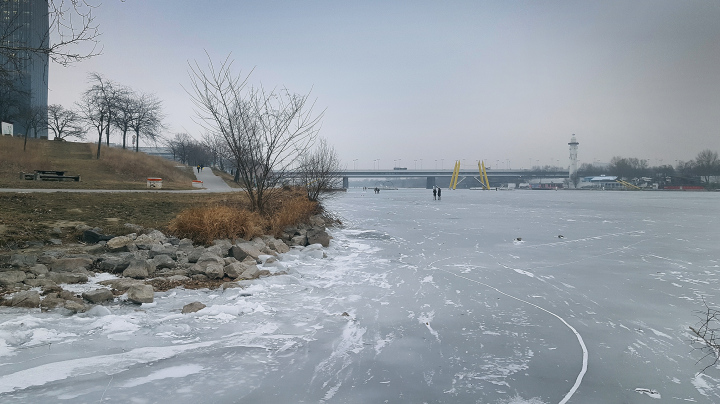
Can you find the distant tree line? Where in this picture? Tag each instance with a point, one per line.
(705, 165)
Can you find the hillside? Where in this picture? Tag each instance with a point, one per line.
(116, 169)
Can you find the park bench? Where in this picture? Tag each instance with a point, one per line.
(49, 175)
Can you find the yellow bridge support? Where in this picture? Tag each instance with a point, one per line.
(455, 175)
(483, 175)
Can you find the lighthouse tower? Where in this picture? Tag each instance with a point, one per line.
(573, 157)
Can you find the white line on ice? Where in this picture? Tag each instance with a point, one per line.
(580, 375)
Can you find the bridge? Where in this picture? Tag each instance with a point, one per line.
(495, 176)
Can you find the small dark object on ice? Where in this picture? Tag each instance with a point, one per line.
(518, 239)
(345, 314)
(561, 236)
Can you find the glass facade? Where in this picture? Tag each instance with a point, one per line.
(24, 34)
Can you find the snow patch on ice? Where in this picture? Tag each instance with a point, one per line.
(108, 364)
(648, 392)
(167, 373)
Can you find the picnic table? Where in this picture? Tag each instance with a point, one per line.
(49, 175)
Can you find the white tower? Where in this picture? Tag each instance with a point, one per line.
(573, 157)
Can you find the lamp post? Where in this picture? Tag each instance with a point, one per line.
(354, 165)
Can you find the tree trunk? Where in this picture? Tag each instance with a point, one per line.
(99, 144)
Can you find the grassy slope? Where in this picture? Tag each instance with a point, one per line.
(116, 169)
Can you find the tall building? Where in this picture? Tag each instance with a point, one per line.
(24, 33)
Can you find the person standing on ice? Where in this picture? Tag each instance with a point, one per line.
(439, 192)
(434, 193)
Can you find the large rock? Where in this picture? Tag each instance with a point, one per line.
(146, 242)
(75, 306)
(23, 260)
(8, 278)
(137, 269)
(98, 296)
(114, 263)
(91, 236)
(66, 277)
(195, 254)
(76, 264)
(141, 294)
(299, 240)
(192, 307)
(317, 221)
(214, 271)
(164, 261)
(28, 298)
(39, 283)
(122, 285)
(221, 250)
(121, 243)
(246, 249)
(208, 258)
(38, 269)
(318, 236)
(157, 235)
(277, 245)
(51, 301)
(163, 250)
(235, 269)
(251, 272)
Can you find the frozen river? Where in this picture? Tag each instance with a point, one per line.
(417, 301)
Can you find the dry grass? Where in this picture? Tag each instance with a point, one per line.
(292, 211)
(232, 219)
(116, 169)
(205, 224)
(14, 159)
(138, 167)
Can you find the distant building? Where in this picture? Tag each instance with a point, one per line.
(601, 182)
(24, 24)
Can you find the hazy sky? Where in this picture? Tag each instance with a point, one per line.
(468, 80)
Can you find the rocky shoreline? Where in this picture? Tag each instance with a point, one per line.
(141, 263)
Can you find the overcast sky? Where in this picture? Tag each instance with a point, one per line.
(441, 81)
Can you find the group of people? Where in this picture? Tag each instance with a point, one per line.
(377, 190)
(437, 193)
(200, 167)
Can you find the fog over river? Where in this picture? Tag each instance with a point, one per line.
(417, 301)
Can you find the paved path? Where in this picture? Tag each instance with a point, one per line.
(211, 182)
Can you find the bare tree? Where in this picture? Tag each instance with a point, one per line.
(127, 108)
(96, 106)
(32, 117)
(705, 335)
(320, 170)
(180, 146)
(265, 131)
(707, 164)
(147, 118)
(70, 23)
(64, 122)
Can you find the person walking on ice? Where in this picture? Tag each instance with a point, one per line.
(439, 192)
(434, 193)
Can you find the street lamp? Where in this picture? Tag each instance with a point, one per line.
(354, 161)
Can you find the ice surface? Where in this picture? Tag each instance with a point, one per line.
(416, 301)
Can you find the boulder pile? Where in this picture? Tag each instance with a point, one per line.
(34, 279)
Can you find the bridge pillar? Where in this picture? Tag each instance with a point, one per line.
(346, 183)
(430, 184)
